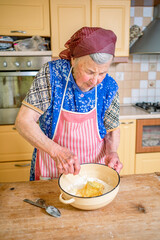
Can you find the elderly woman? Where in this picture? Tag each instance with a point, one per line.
(76, 105)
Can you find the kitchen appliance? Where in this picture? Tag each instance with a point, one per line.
(152, 108)
(148, 42)
(16, 76)
(148, 135)
(92, 170)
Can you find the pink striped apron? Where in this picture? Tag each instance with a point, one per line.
(79, 133)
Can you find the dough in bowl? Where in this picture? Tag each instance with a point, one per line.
(91, 189)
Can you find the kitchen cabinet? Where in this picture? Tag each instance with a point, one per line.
(126, 148)
(24, 18)
(15, 155)
(70, 15)
(147, 146)
(114, 15)
(147, 162)
(148, 135)
(67, 16)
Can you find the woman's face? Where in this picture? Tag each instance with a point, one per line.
(87, 73)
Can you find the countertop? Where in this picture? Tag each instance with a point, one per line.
(133, 215)
(131, 112)
(26, 53)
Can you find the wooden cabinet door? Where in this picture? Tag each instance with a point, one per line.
(15, 171)
(126, 148)
(31, 17)
(147, 162)
(114, 15)
(13, 147)
(66, 18)
(148, 135)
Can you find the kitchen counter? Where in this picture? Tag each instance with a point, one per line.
(131, 112)
(133, 214)
(26, 53)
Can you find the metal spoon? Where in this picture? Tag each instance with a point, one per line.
(53, 211)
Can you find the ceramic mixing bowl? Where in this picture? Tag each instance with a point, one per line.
(89, 170)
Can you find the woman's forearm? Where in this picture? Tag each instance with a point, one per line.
(30, 130)
(112, 140)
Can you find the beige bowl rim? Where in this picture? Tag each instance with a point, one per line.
(95, 196)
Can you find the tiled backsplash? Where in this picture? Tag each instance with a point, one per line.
(139, 79)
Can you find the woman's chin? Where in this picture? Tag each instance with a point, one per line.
(88, 88)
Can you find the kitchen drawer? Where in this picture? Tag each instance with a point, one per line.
(147, 163)
(24, 18)
(13, 147)
(15, 171)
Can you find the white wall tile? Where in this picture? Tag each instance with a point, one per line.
(143, 92)
(132, 11)
(157, 98)
(152, 75)
(144, 58)
(143, 83)
(158, 84)
(144, 67)
(135, 99)
(127, 100)
(153, 58)
(157, 92)
(147, 12)
(158, 66)
(135, 92)
(151, 99)
(143, 99)
(136, 58)
(151, 92)
(119, 76)
(138, 21)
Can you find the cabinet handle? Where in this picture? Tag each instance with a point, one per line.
(127, 123)
(14, 128)
(22, 165)
(17, 31)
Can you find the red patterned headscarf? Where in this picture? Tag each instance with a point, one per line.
(89, 40)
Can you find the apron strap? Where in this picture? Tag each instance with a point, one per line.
(66, 87)
(62, 102)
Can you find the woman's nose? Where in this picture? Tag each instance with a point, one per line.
(95, 79)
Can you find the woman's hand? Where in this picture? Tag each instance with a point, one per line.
(66, 161)
(26, 124)
(112, 160)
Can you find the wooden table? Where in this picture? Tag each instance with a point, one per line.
(133, 214)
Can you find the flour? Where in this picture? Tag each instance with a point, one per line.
(81, 182)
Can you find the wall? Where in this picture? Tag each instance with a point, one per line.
(139, 79)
